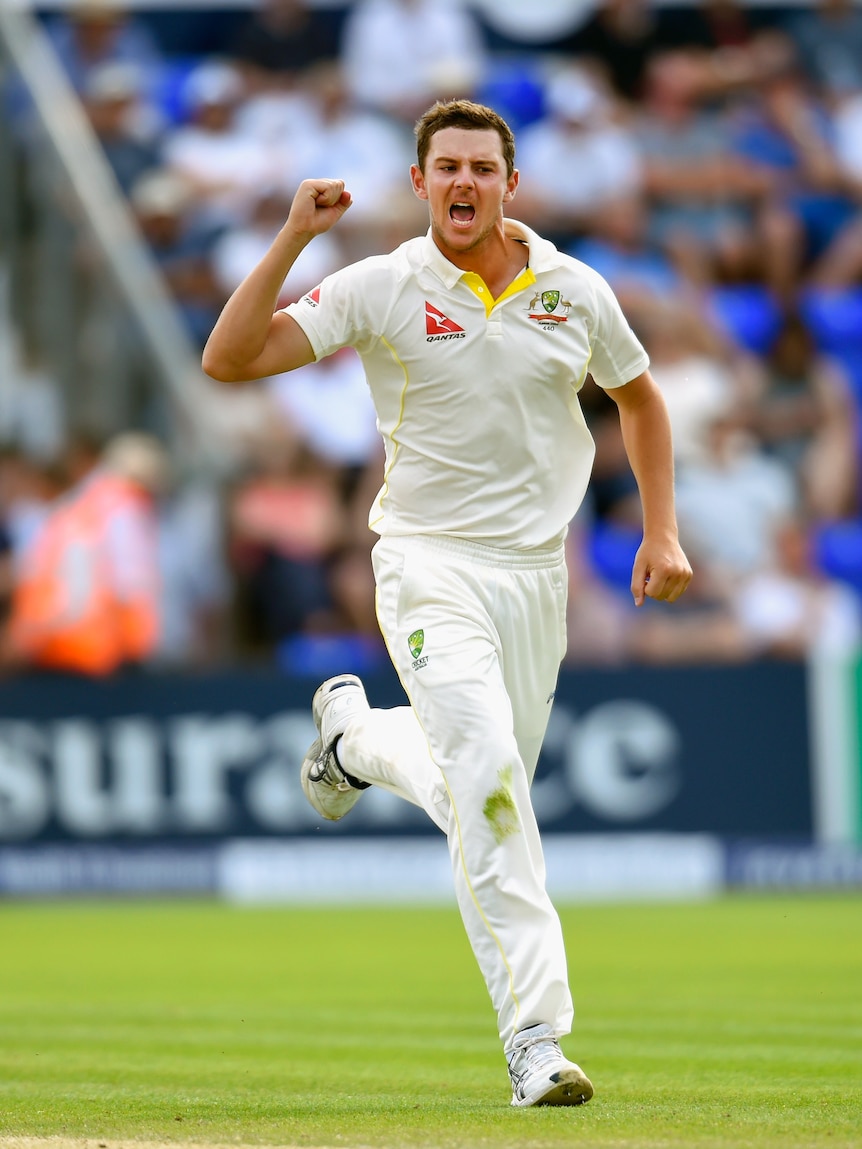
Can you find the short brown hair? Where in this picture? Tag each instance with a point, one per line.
(463, 114)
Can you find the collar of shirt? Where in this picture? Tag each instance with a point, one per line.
(543, 256)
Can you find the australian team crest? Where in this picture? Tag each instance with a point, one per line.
(555, 309)
(416, 644)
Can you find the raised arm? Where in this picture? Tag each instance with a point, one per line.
(250, 339)
(661, 570)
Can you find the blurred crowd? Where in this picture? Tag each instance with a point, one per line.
(706, 159)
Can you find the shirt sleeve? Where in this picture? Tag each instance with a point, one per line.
(335, 313)
(617, 354)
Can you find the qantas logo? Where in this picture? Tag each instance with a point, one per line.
(439, 326)
(313, 297)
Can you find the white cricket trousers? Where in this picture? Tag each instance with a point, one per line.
(477, 636)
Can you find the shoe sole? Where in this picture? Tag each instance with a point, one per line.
(572, 1087)
(307, 788)
(316, 748)
(347, 799)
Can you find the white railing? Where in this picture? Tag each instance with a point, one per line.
(92, 203)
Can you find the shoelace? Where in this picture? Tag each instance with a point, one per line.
(327, 770)
(534, 1056)
(543, 1053)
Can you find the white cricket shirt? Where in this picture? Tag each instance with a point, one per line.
(477, 399)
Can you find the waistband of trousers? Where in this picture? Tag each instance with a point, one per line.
(540, 558)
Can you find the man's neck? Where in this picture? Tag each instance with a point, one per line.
(497, 261)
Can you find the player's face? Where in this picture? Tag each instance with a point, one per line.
(466, 185)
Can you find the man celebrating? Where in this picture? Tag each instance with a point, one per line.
(476, 339)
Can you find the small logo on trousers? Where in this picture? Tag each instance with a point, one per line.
(415, 643)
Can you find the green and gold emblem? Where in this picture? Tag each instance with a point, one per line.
(415, 643)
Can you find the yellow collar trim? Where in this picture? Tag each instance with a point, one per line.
(480, 288)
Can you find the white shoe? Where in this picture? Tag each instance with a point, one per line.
(330, 789)
(541, 1075)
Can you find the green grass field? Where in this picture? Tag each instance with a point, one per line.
(729, 1023)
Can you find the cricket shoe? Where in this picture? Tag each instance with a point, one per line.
(541, 1075)
(329, 788)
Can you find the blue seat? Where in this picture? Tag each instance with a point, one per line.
(323, 655)
(749, 313)
(611, 549)
(835, 319)
(170, 87)
(514, 89)
(838, 550)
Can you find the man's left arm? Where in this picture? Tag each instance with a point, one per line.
(661, 569)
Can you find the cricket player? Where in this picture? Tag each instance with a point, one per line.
(476, 339)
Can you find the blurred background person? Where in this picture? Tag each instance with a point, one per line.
(238, 249)
(783, 126)
(281, 39)
(703, 196)
(369, 149)
(804, 415)
(619, 37)
(86, 591)
(401, 55)
(128, 138)
(222, 164)
(182, 245)
(92, 33)
(579, 155)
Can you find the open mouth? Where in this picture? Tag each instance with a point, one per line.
(462, 212)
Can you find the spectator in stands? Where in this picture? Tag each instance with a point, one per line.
(710, 25)
(223, 165)
(401, 55)
(575, 158)
(804, 415)
(239, 249)
(785, 129)
(618, 246)
(731, 501)
(195, 585)
(86, 595)
(707, 631)
(112, 101)
(329, 406)
(847, 123)
(281, 39)
(785, 609)
(839, 266)
(31, 402)
(619, 37)
(285, 521)
(91, 33)
(371, 150)
(700, 376)
(701, 194)
(827, 35)
(789, 609)
(165, 208)
(28, 489)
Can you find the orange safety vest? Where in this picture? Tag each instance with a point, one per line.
(68, 611)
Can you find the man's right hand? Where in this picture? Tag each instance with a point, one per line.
(317, 206)
(250, 339)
